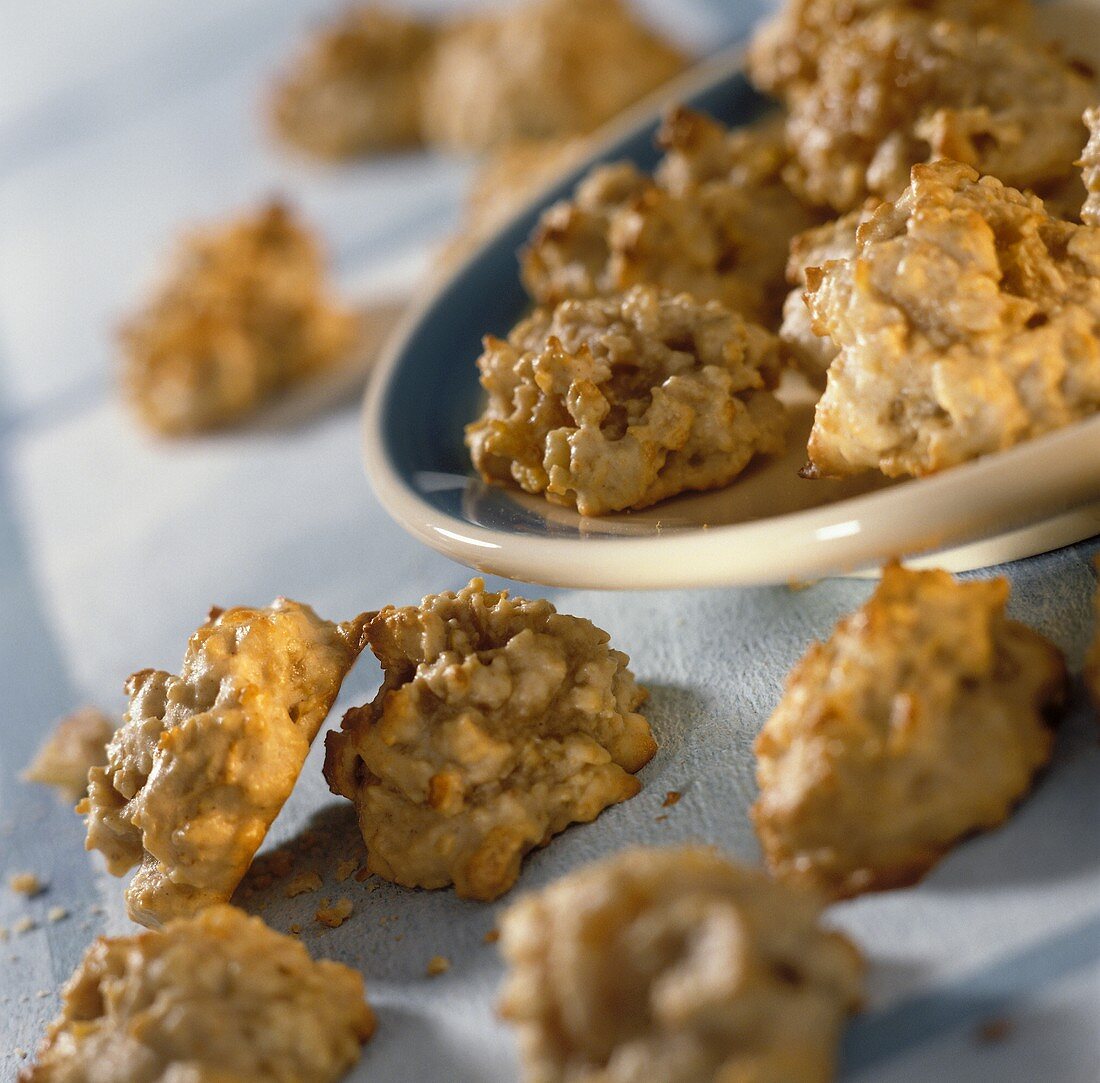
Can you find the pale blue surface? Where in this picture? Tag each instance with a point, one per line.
(119, 122)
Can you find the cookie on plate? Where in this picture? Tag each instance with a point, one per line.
(967, 321)
(786, 51)
(499, 723)
(203, 762)
(619, 402)
(714, 221)
(921, 720)
(217, 998)
(244, 313)
(678, 966)
(814, 352)
(899, 88)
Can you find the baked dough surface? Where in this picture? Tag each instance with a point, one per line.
(678, 966)
(218, 998)
(204, 761)
(243, 314)
(714, 221)
(918, 722)
(499, 723)
(968, 321)
(834, 240)
(540, 70)
(619, 402)
(786, 51)
(898, 88)
(356, 86)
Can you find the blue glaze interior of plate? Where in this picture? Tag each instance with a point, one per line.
(433, 390)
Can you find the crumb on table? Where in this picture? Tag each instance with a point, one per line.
(437, 964)
(303, 882)
(334, 915)
(26, 883)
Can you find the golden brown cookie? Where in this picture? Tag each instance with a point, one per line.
(786, 51)
(714, 221)
(541, 69)
(204, 761)
(921, 720)
(899, 88)
(967, 321)
(678, 966)
(244, 313)
(619, 402)
(814, 352)
(499, 723)
(77, 744)
(356, 86)
(217, 998)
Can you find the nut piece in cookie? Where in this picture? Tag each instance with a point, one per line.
(897, 89)
(714, 221)
(356, 86)
(204, 761)
(77, 744)
(678, 966)
(786, 51)
(619, 402)
(918, 722)
(215, 998)
(967, 321)
(243, 314)
(540, 70)
(499, 723)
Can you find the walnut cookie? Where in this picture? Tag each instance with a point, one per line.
(243, 314)
(714, 221)
(786, 51)
(620, 402)
(542, 69)
(500, 722)
(899, 88)
(967, 321)
(678, 966)
(204, 761)
(217, 998)
(356, 86)
(920, 721)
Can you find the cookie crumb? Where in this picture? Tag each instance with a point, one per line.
(660, 819)
(345, 869)
(295, 928)
(20, 1053)
(303, 882)
(438, 964)
(363, 874)
(491, 937)
(671, 798)
(56, 913)
(42, 994)
(335, 915)
(26, 883)
(24, 925)
(3, 933)
(991, 1031)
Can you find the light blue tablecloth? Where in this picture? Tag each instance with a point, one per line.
(119, 122)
